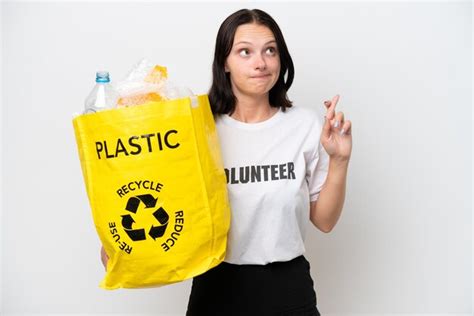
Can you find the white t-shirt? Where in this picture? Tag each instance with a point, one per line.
(274, 168)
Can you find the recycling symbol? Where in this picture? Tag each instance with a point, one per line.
(133, 205)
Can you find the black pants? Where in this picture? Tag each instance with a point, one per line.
(278, 288)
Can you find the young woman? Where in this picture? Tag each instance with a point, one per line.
(284, 170)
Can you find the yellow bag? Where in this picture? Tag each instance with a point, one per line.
(157, 189)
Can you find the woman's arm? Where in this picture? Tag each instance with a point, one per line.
(336, 138)
(104, 257)
(325, 212)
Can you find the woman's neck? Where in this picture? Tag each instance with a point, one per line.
(253, 110)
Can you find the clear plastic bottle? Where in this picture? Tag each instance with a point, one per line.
(103, 95)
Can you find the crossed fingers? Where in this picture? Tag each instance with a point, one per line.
(336, 119)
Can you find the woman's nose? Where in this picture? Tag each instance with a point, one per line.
(260, 62)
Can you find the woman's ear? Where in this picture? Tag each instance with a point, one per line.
(226, 69)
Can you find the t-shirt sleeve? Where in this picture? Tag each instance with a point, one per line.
(316, 171)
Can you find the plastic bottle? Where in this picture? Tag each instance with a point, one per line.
(103, 96)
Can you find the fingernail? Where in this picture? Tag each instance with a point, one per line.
(342, 131)
(336, 124)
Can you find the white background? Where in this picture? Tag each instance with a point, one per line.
(403, 70)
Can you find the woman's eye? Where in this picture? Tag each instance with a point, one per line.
(271, 50)
(244, 52)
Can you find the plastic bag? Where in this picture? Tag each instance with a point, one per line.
(157, 190)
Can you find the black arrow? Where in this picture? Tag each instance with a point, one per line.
(148, 199)
(157, 231)
(127, 221)
(132, 204)
(136, 234)
(161, 215)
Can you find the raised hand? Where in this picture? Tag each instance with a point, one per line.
(336, 136)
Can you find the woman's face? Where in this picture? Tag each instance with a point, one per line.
(254, 61)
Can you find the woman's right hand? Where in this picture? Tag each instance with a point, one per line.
(104, 257)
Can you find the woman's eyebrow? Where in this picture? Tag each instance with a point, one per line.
(245, 42)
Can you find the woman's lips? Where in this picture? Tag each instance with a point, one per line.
(260, 77)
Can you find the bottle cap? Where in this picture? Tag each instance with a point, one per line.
(102, 76)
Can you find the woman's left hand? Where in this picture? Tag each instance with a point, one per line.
(336, 136)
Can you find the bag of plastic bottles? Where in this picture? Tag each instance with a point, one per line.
(144, 83)
(157, 190)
